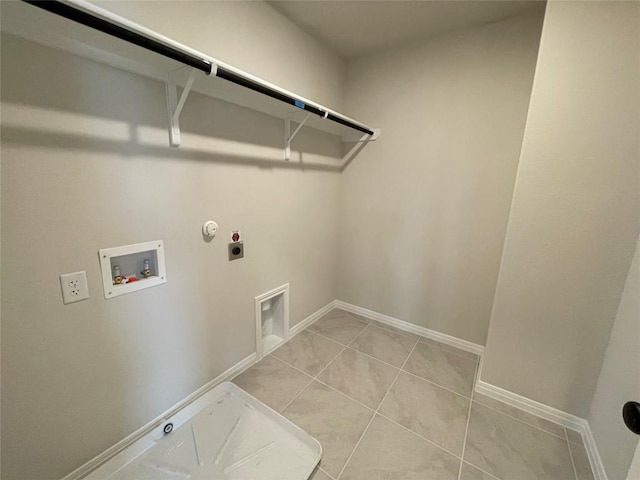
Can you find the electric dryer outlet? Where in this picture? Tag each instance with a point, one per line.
(236, 250)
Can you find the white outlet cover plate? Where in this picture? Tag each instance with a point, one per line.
(74, 287)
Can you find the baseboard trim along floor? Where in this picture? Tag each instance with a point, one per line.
(567, 420)
(311, 319)
(228, 374)
(109, 453)
(554, 415)
(538, 409)
(410, 327)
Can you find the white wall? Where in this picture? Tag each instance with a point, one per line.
(248, 35)
(424, 209)
(619, 381)
(575, 216)
(86, 165)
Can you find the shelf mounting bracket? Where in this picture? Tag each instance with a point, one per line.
(288, 136)
(175, 105)
(353, 146)
(366, 138)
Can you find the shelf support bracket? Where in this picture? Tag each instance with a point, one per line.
(352, 147)
(288, 136)
(175, 105)
(366, 138)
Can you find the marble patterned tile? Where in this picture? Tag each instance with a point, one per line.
(339, 325)
(272, 382)
(308, 352)
(318, 474)
(442, 367)
(389, 452)
(385, 345)
(360, 377)
(510, 449)
(449, 348)
(469, 472)
(433, 412)
(334, 420)
(581, 461)
(395, 329)
(553, 428)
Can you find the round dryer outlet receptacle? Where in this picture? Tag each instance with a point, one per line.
(209, 229)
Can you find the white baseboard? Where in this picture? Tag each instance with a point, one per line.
(293, 331)
(223, 377)
(412, 328)
(592, 452)
(531, 406)
(554, 415)
(538, 409)
(95, 462)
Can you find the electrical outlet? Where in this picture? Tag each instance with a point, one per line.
(74, 287)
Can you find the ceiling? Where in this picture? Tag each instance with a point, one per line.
(352, 28)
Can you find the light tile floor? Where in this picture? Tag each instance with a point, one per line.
(388, 405)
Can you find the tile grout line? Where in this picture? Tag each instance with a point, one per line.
(466, 430)
(402, 367)
(343, 394)
(310, 381)
(376, 412)
(303, 388)
(389, 364)
(391, 328)
(355, 447)
(328, 386)
(448, 348)
(316, 379)
(483, 471)
(359, 333)
(428, 341)
(525, 423)
(322, 336)
(344, 347)
(318, 374)
(566, 436)
(369, 408)
(479, 402)
(336, 341)
(420, 436)
(418, 341)
(438, 385)
(296, 396)
(380, 414)
(412, 335)
(376, 358)
(331, 477)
